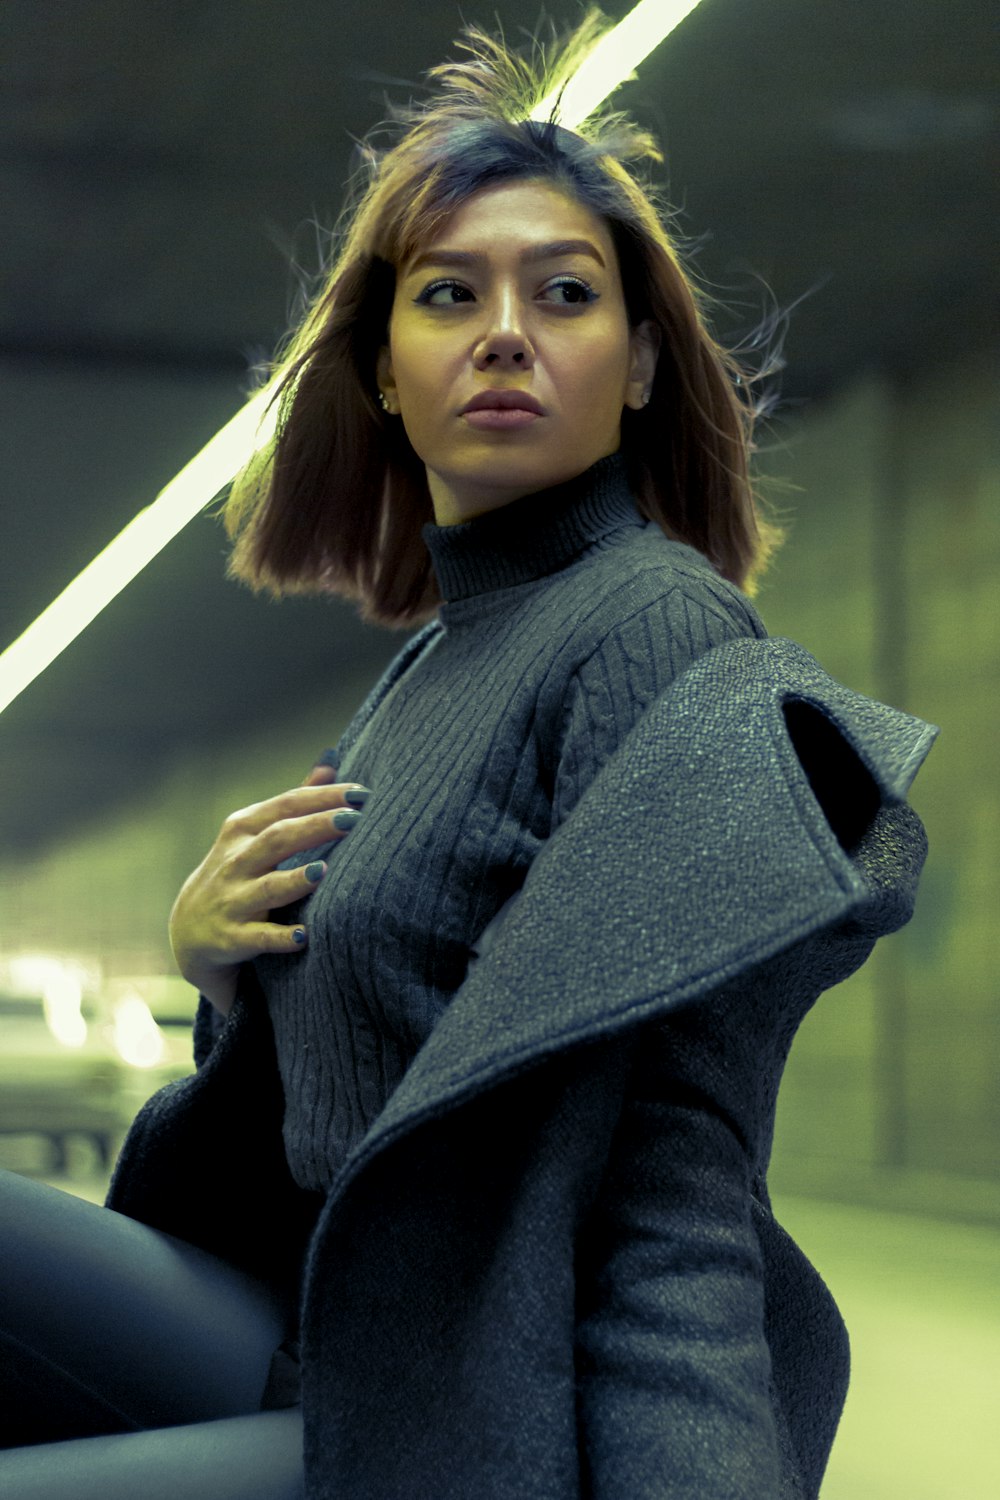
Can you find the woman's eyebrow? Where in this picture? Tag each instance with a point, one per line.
(553, 250)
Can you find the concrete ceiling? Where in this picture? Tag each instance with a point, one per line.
(162, 167)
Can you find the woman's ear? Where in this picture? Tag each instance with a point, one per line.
(386, 380)
(644, 342)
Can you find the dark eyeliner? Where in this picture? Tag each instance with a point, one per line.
(578, 281)
(422, 298)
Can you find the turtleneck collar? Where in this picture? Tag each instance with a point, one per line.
(533, 536)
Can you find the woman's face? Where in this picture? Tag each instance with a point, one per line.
(520, 292)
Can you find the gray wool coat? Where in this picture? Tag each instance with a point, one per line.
(550, 1271)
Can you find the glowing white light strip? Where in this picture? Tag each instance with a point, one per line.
(144, 536)
(613, 60)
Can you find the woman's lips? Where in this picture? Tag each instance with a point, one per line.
(501, 417)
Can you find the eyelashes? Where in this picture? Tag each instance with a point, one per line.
(584, 292)
(423, 299)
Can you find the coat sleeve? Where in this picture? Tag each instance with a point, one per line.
(706, 1367)
(673, 1366)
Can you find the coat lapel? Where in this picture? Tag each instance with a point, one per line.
(699, 850)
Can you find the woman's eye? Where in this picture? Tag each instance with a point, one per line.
(565, 291)
(453, 292)
(577, 292)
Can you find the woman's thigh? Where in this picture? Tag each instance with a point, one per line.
(157, 1329)
(243, 1458)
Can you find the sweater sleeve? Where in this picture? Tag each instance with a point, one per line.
(632, 666)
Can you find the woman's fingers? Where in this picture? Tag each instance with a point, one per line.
(261, 886)
(220, 917)
(270, 937)
(282, 887)
(290, 836)
(324, 769)
(295, 824)
(321, 775)
(214, 969)
(299, 802)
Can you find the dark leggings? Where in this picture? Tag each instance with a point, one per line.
(132, 1364)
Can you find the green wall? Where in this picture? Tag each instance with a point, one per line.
(891, 577)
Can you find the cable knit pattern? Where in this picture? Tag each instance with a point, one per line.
(565, 615)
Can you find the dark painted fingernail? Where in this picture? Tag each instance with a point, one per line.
(345, 820)
(299, 935)
(357, 796)
(315, 871)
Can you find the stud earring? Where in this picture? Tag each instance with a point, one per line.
(645, 396)
(382, 401)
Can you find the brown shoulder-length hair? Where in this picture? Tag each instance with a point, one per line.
(336, 501)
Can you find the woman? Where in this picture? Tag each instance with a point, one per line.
(494, 1007)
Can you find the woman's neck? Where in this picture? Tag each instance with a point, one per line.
(532, 537)
(455, 502)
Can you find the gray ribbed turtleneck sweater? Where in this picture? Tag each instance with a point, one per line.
(565, 614)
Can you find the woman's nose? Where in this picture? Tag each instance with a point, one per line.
(506, 339)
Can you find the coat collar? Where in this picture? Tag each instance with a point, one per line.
(699, 851)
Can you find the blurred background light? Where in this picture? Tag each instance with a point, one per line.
(614, 59)
(137, 1038)
(114, 568)
(59, 984)
(62, 999)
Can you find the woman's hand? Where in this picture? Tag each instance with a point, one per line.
(220, 917)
